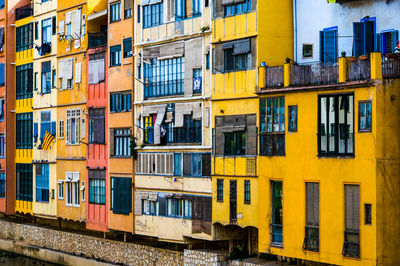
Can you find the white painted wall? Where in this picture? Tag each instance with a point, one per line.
(315, 15)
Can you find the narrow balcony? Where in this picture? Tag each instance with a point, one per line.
(23, 12)
(97, 39)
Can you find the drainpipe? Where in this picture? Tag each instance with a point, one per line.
(295, 28)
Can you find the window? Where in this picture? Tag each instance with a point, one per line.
(164, 77)
(1, 4)
(311, 238)
(196, 8)
(368, 214)
(272, 126)
(276, 215)
(174, 207)
(54, 78)
(24, 129)
(60, 190)
(336, 126)
(191, 131)
(36, 80)
(2, 74)
(72, 189)
(97, 126)
(115, 55)
(42, 182)
(24, 182)
(365, 116)
(237, 9)
(128, 47)
(187, 209)
(307, 50)
(148, 122)
(152, 15)
(46, 31)
(121, 195)
(24, 37)
(115, 13)
(97, 187)
(220, 190)
(121, 142)
(206, 2)
(197, 80)
(387, 41)
(208, 61)
(235, 143)
(128, 13)
(233, 201)
(2, 101)
(61, 129)
(2, 148)
(96, 71)
(177, 164)
(351, 245)
(46, 125)
(247, 195)
(2, 185)
(149, 207)
(73, 126)
(54, 25)
(292, 118)
(329, 45)
(121, 102)
(237, 55)
(197, 164)
(364, 33)
(65, 73)
(156, 163)
(36, 30)
(46, 77)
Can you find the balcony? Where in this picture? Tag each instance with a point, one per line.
(97, 39)
(234, 166)
(347, 70)
(169, 136)
(23, 12)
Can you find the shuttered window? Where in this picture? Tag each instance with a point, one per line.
(121, 195)
(45, 123)
(364, 33)
(329, 45)
(233, 200)
(97, 126)
(351, 246)
(73, 126)
(311, 239)
(115, 55)
(115, 12)
(152, 15)
(197, 164)
(42, 182)
(127, 8)
(127, 47)
(96, 68)
(24, 123)
(120, 102)
(24, 180)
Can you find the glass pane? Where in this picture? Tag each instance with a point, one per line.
(369, 115)
(332, 126)
(323, 124)
(350, 124)
(342, 125)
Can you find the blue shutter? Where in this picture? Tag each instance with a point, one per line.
(35, 130)
(369, 36)
(395, 37)
(177, 164)
(53, 128)
(180, 10)
(330, 46)
(2, 74)
(129, 102)
(358, 42)
(379, 42)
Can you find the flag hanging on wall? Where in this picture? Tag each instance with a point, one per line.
(48, 139)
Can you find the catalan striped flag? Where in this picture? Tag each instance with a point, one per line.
(48, 139)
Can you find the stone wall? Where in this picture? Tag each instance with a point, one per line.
(92, 247)
(203, 257)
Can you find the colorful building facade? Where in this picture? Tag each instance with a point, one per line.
(244, 38)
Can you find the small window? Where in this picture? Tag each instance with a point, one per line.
(247, 192)
(235, 143)
(207, 61)
(115, 13)
(307, 50)
(37, 30)
(128, 47)
(54, 25)
(365, 116)
(293, 118)
(61, 129)
(61, 190)
(197, 79)
(220, 190)
(177, 164)
(138, 13)
(2, 185)
(368, 214)
(115, 55)
(149, 207)
(128, 13)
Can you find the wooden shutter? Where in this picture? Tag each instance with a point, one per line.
(330, 46)
(162, 205)
(206, 164)
(233, 200)
(77, 129)
(187, 164)
(112, 142)
(219, 135)
(69, 133)
(138, 203)
(352, 207)
(369, 36)
(358, 42)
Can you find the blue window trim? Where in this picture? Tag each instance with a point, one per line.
(111, 12)
(45, 178)
(375, 39)
(162, 195)
(184, 208)
(156, 209)
(115, 49)
(3, 185)
(381, 39)
(148, 12)
(337, 38)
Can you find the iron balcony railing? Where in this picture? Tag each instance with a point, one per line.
(314, 74)
(351, 245)
(174, 135)
(23, 12)
(97, 39)
(311, 238)
(276, 234)
(163, 88)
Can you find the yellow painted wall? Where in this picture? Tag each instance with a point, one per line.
(301, 164)
(41, 209)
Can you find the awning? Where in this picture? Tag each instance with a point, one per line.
(150, 2)
(239, 47)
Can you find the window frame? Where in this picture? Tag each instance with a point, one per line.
(60, 190)
(152, 15)
(127, 43)
(365, 129)
(115, 55)
(247, 191)
(44, 176)
(150, 209)
(220, 190)
(97, 189)
(2, 185)
(115, 6)
(294, 127)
